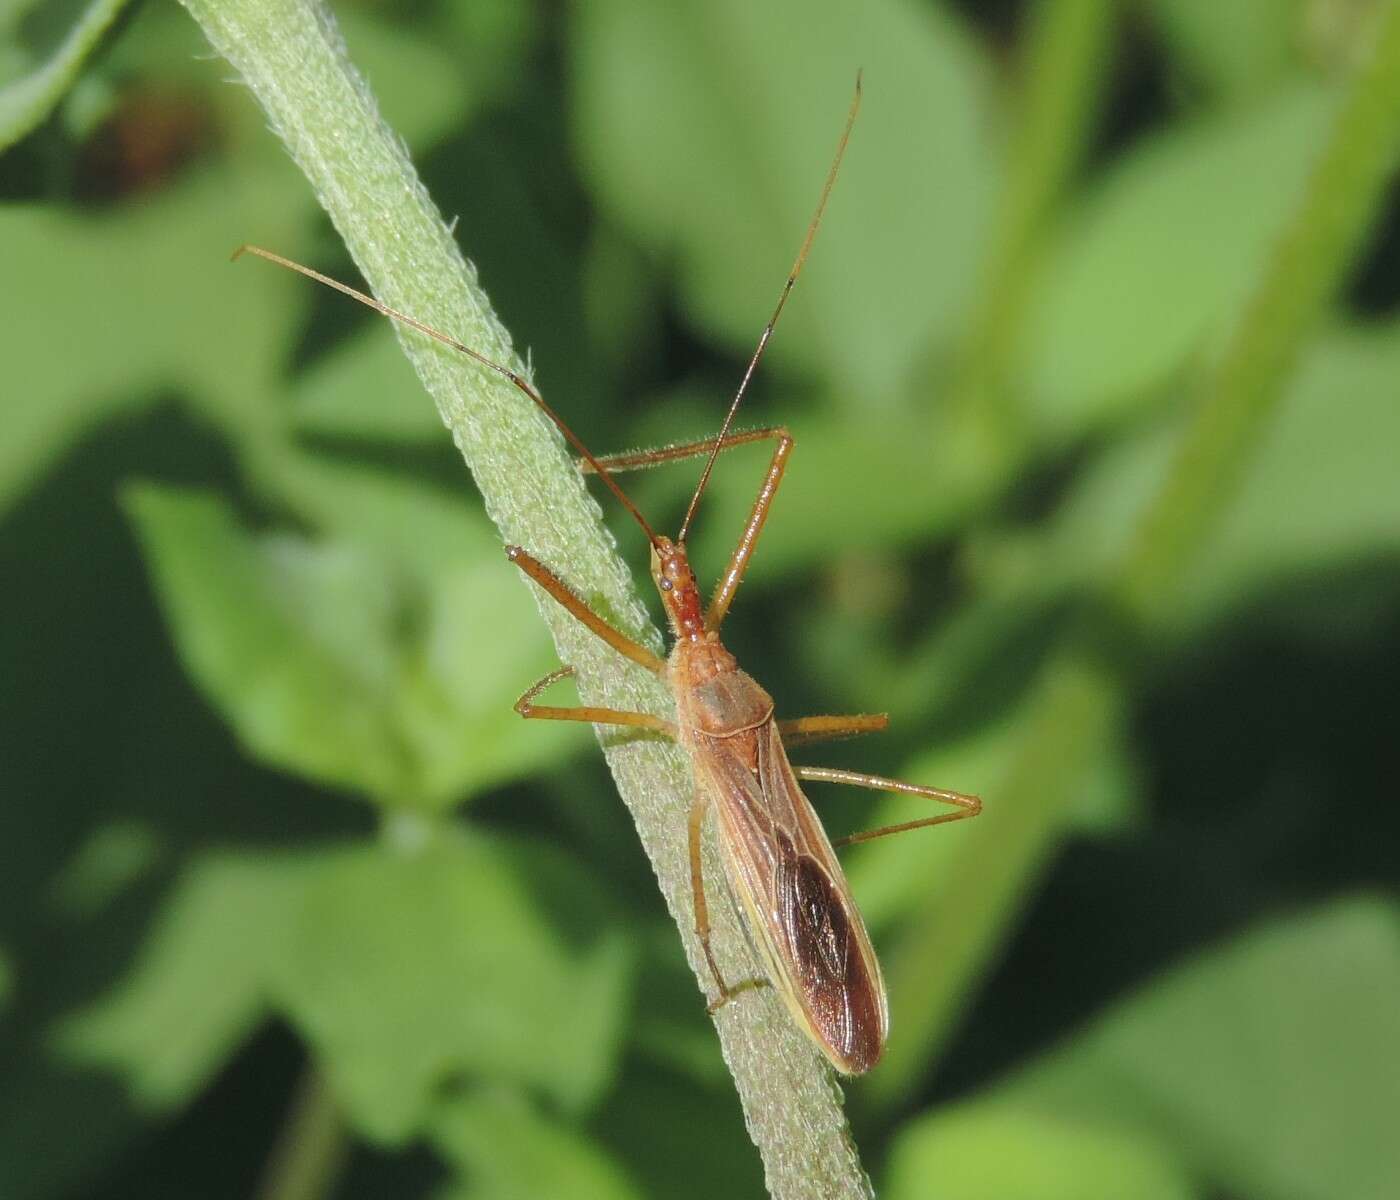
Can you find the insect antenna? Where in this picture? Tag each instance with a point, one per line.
(475, 355)
(777, 312)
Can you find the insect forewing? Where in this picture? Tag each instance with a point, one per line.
(781, 865)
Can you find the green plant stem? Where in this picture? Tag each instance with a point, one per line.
(290, 55)
(311, 1147)
(1061, 81)
(1077, 699)
(1346, 188)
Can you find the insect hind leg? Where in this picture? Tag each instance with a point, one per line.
(702, 916)
(575, 606)
(964, 806)
(744, 985)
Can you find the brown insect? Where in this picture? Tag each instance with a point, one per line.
(777, 857)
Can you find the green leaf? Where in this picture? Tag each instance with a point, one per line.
(406, 965)
(1148, 269)
(385, 658)
(214, 330)
(419, 83)
(893, 875)
(217, 333)
(1322, 492)
(832, 494)
(711, 150)
(113, 858)
(991, 1151)
(365, 388)
(405, 970)
(27, 99)
(196, 989)
(1318, 495)
(214, 334)
(1233, 51)
(290, 641)
(1269, 1062)
(473, 642)
(508, 1151)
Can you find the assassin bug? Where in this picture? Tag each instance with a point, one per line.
(777, 857)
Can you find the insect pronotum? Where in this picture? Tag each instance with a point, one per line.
(777, 857)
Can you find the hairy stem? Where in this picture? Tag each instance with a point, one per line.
(311, 1148)
(291, 56)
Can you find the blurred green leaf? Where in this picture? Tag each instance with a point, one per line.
(834, 494)
(111, 859)
(405, 970)
(1233, 51)
(418, 82)
(1168, 245)
(291, 641)
(364, 388)
(494, 37)
(711, 149)
(201, 325)
(197, 987)
(506, 1150)
(1269, 1063)
(26, 100)
(383, 659)
(991, 1151)
(218, 333)
(1320, 492)
(405, 966)
(890, 875)
(473, 641)
(420, 528)
(893, 875)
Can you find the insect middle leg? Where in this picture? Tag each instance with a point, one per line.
(800, 730)
(531, 711)
(964, 806)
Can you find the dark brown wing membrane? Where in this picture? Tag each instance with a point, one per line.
(841, 998)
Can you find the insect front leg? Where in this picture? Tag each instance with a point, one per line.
(739, 560)
(965, 806)
(632, 460)
(575, 605)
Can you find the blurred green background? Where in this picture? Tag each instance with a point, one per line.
(293, 905)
